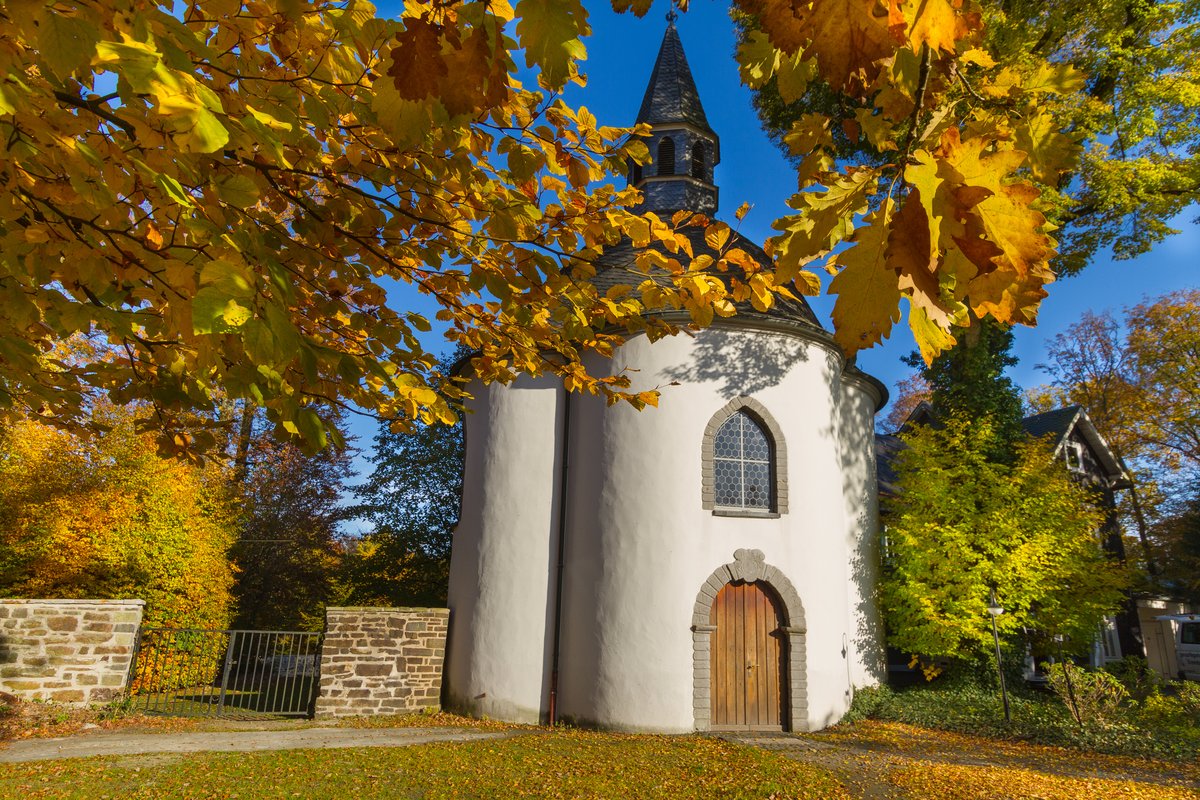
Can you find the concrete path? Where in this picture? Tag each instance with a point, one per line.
(117, 744)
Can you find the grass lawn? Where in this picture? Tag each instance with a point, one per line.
(563, 764)
(872, 760)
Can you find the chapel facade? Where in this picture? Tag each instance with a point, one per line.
(710, 564)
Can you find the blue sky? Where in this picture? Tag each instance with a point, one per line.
(621, 53)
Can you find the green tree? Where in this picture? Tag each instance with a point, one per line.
(412, 501)
(290, 545)
(107, 517)
(968, 381)
(963, 524)
(1178, 539)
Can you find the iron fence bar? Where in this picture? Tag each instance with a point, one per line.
(215, 658)
(160, 662)
(273, 681)
(258, 698)
(315, 689)
(225, 671)
(236, 679)
(172, 672)
(188, 675)
(133, 665)
(292, 682)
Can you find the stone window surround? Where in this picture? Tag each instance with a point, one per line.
(708, 489)
(750, 566)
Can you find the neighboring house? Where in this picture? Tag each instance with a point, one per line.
(709, 564)
(1085, 453)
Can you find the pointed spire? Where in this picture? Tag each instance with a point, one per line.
(671, 95)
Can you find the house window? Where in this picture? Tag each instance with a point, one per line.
(743, 465)
(1074, 454)
(698, 165)
(1110, 642)
(666, 156)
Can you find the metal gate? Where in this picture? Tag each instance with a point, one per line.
(226, 673)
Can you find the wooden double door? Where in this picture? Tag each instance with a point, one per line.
(748, 659)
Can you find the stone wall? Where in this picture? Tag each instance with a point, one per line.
(68, 651)
(381, 660)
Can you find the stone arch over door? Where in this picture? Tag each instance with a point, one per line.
(750, 566)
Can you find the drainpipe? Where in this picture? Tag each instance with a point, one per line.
(552, 711)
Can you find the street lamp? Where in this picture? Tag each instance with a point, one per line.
(995, 609)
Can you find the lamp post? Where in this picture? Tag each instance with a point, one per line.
(995, 610)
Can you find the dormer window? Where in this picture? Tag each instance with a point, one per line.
(1074, 456)
(699, 162)
(666, 156)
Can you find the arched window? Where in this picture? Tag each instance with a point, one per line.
(743, 465)
(666, 156)
(699, 168)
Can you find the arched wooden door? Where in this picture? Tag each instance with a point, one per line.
(747, 658)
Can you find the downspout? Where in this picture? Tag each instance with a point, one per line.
(552, 705)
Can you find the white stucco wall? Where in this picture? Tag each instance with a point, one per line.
(640, 544)
(856, 422)
(501, 569)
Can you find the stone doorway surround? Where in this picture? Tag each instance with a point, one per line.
(750, 566)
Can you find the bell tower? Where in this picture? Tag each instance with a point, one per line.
(683, 148)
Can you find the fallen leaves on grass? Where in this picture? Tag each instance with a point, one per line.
(23, 720)
(438, 719)
(957, 782)
(917, 742)
(561, 764)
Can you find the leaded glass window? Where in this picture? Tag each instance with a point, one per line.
(743, 464)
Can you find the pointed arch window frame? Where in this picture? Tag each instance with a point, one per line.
(758, 413)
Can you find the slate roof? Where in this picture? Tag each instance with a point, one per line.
(618, 266)
(1056, 423)
(887, 448)
(671, 95)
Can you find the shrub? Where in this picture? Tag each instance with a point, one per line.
(1188, 695)
(1090, 696)
(1136, 676)
(868, 702)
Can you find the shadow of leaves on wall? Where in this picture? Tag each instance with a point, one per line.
(740, 363)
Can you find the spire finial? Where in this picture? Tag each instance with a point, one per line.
(671, 17)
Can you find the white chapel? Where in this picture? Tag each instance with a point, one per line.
(706, 565)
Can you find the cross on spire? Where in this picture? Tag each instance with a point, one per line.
(671, 17)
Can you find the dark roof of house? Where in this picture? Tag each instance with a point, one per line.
(1056, 423)
(671, 95)
(887, 447)
(618, 266)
